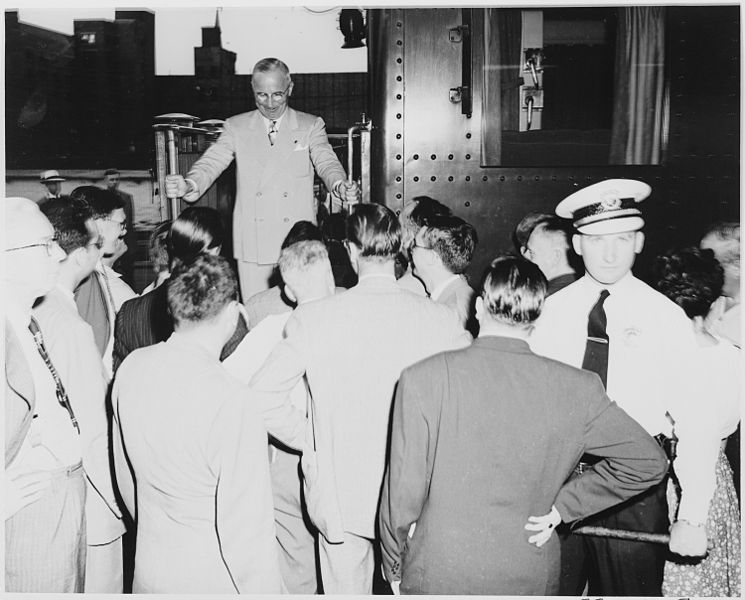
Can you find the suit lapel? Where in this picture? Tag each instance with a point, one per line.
(289, 135)
(259, 141)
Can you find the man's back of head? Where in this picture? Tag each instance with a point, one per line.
(375, 232)
(199, 291)
(306, 271)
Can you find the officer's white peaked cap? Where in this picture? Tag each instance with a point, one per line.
(610, 206)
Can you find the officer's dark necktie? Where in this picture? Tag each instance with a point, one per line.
(596, 350)
(273, 132)
(33, 327)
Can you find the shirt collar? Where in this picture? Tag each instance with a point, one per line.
(268, 122)
(621, 286)
(67, 294)
(437, 292)
(107, 270)
(376, 276)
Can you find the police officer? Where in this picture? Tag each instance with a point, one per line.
(612, 323)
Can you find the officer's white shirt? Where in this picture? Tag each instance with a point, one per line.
(651, 344)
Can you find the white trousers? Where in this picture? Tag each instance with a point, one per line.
(253, 278)
(347, 568)
(104, 568)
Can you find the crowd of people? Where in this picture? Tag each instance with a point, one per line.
(468, 438)
(342, 410)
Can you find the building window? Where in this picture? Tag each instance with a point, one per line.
(88, 38)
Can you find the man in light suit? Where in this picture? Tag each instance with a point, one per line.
(44, 479)
(72, 348)
(307, 276)
(276, 150)
(352, 347)
(462, 482)
(190, 450)
(442, 250)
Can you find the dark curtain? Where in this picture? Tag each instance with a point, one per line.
(640, 105)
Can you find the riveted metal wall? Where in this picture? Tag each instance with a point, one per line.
(422, 143)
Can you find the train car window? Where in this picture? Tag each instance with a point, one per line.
(574, 86)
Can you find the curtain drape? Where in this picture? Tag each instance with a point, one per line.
(639, 103)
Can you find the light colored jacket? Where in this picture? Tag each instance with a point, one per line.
(274, 184)
(72, 349)
(352, 347)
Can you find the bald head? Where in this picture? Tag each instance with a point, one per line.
(32, 256)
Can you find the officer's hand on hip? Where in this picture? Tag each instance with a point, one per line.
(176, 186)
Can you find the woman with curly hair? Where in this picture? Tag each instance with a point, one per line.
(702, 496)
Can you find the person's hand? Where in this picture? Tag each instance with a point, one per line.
(176, 186)
(687, 539)
(22, 488)
(349, 192)
(544, 525)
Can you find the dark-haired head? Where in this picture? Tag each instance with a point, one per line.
(691, 278)
(302, 231)
(198, 229)
(198, 291)
(375, 231)
(418, 213)
(525, 227)
(513, 292)
(452, 239)
(72, 222)
(101, 202)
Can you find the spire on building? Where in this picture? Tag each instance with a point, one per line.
(217, 18)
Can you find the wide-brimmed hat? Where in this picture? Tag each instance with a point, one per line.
(610, 206)
(50, 176)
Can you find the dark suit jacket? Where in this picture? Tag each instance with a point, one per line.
(483, 438)
(145, 321)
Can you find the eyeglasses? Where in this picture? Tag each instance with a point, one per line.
(49, 245)
(122, 224)
(276, 96)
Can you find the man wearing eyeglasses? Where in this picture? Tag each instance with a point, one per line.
(100, 296)
(44, 479)
(111, 179)
(276, 150)
(72, 349)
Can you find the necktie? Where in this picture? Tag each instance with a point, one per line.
(33, 327)
(273, 132)
(596, 350)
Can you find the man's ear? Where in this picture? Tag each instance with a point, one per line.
(576, 243)
(479, 306)
(289, 294)
(638, 241)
